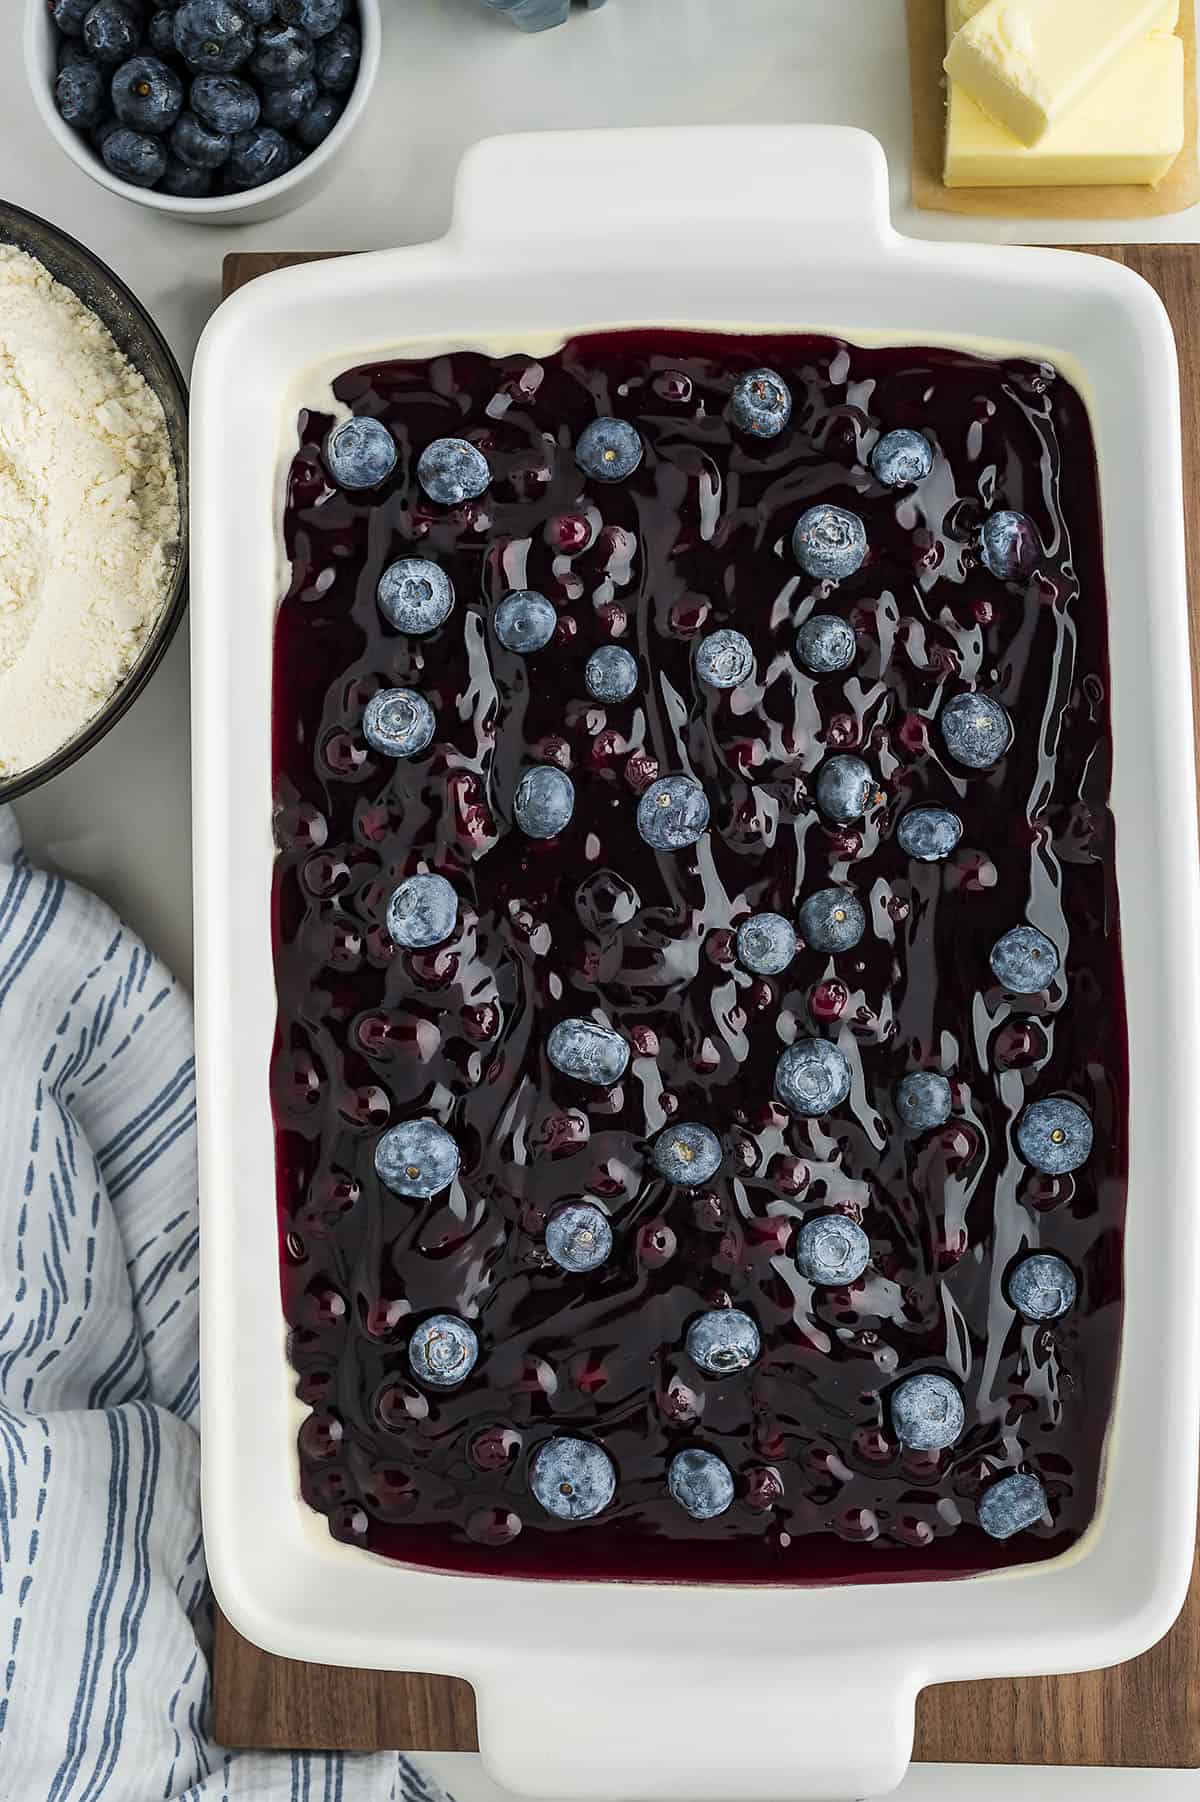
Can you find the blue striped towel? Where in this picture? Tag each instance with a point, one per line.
(105, 1611)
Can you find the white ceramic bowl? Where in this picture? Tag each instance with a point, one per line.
(639, 1690)
(41, 64)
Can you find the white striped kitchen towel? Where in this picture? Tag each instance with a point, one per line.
(105, 1612)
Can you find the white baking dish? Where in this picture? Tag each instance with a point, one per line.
(607, 1691)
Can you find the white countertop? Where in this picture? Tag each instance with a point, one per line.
(451, 74)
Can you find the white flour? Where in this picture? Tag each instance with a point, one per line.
(89, 513)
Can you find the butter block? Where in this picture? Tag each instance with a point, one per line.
(1029, 62)
(958, 12)
(1128, 129)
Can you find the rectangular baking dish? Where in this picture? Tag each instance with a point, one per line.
(615, 1690)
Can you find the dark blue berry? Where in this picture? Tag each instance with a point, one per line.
(422, 912)
(134, 157)
(811, 1078)
(317, 123)
(282, 54)
(927, 1413)
(213, 37)
(723, 1342)
(112, 30)
(766, 944)
(544, 802)
(417, 1159)
(80, 95)
(184, 182)
(724, 659)
(760, 404)
(1054, 1136)
(588, 1052)
(902, 458)
(398, 722)
(1010, 546)
(687, 1154)
(825, 643)
(317, 17)
(609, 449)
(572, 1478)
(832, 920)
(579, 1238)
(1012, 1505)
(923, 1100)
(451, 471)
(146, 94)
(224, 103)
(283, 107)
(525, 622)
(977, 730)
(1042, 1287)
(928, 833)
(611, 673)
(259, 12)
(338, 57)
(198, 144)
(829, 543)
(69, 15)
(845, 789)
(443, 1351)
(415, 595)
(701, 1483)
(832, 1250)
(1025, 960)
(258, 156)
(360, 453)
(673, 813)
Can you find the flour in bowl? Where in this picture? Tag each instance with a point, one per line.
(89, 513)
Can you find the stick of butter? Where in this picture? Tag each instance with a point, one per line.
(1027, 62)
(1128, 129)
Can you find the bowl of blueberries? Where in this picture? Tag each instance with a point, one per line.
(221, 110)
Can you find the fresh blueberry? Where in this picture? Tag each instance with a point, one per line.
(611, 673)
(258, 156)
(283, 54)
(928, 833)
(285, 106)
(317, 17)
(399, 722)
(134, 157)
(760, 404)
(1054, 1136)
(185, 182)
(452, 471)
(927, 1413)
(224, 103)
(845, 787)
(832, 920)
(1025, 960)
(213, 37)
(146, 94)
(977, 730)
(1042, 1287)
(825, 643)
(572, 1478)
(723, 1341)
(317, 123)
(811, 1078)
(1011, 1505)
(579, 1238)
(902, 458)
(525, 621)
(588, 1052)
(80, 94)
(443, 1351)
(417, 1159)
(609, 450)
(1009, 545)
(360, 453)
(338, 57)
(414, 595)
(724, 659)
(69, 15)
(673, 813)
(544, 802)
(423, 911)
(832, 1250)
(766, 944)
(259, 12)
(198, 144)
(112, 30)
(160, 33)
(688, 1154)
(700, 1482)
(829, 543)
(923, 1100)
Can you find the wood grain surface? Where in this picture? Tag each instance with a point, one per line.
(1145, 1713)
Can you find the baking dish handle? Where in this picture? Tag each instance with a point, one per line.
(817, 1729)
(689, 187)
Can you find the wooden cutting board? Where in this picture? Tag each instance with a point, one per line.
(1143, 1713)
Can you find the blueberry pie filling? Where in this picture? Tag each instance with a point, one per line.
(700, 1079)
